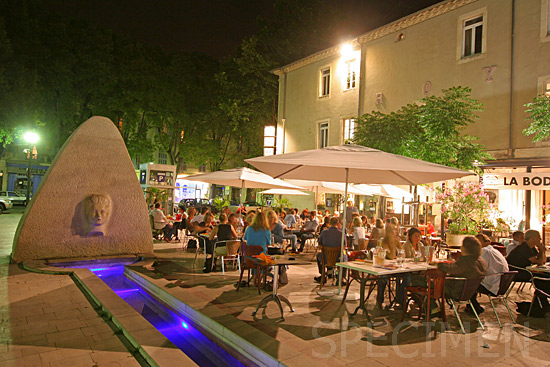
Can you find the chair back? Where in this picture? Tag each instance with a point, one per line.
(233, 247)
(361, 244)
(506, 279)
(331, 255)
(152, 221)
(436, 282)
(250, 250)
(499, 247)
(470, 288)
(372, 244)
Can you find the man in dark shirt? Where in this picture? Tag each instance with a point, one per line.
(330, 237)
(531, 252)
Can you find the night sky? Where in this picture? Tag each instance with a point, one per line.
(216, 27)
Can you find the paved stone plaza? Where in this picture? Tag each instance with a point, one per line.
(47, 321)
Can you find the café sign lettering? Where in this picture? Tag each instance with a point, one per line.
(517, 181)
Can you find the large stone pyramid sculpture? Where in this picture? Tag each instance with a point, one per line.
(89, 203)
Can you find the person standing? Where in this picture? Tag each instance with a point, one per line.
(350, 209)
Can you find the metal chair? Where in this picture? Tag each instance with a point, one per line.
(435, 280)
(250, 250)
(233, 253)
(506, 279)
(468, 290)
(157, 233)
(538, 291)
(521, 281)
(330, 256)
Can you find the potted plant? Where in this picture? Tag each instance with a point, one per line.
(466, 207)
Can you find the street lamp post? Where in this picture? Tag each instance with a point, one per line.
(31, 138)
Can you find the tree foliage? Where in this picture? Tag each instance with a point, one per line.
(431, 130)
(539, 114)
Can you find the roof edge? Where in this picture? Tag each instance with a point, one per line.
(402, 23)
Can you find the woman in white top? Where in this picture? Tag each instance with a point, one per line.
(358, 234)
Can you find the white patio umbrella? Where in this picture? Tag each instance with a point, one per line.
(242, 177)
(284, 192)
(325, 187)
(353, 164)
(370, 189)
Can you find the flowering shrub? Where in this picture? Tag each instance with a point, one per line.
(467, 205)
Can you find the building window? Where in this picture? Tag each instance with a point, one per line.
(270, 140)
(472, 36)
(202, 168)
(350, 74)
(546, 88)
(324, 89)
(323, 134)
(349, 129)
(548, 18)
(163, 158)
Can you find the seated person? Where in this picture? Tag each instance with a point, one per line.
(161, 222)
(358, 232)
(199, 218)
(413, 243)
(517, 239)
(331, 237)
(277, 229)
(531, 252)
(290, 219)
(308, 230)
(258, 233)
(325, 224)
(378, 230)
(180, 222)
(430, 229)
(470, 266)
(496, 263)
(224, 231)
(391, 244)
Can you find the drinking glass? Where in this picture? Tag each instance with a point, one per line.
(400, 257)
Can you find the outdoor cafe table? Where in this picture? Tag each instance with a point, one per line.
(539, 268)
(370, 270)
(274, 296)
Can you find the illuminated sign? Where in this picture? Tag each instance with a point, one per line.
(517, 181)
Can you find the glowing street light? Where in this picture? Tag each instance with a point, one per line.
(31, 138)
(346, 50)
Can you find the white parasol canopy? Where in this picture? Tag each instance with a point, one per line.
(242, 177)
(325, 187)
(353, 164)
(362, 164)
(284, 192)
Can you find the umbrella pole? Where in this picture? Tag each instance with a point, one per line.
(316, 199)
(343, 234)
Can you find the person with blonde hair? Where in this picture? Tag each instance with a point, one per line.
(277, 229)
(378, 230)
(258, 233)
(391, 244)
(358, 232)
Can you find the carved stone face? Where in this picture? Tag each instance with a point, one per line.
(97, 211)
